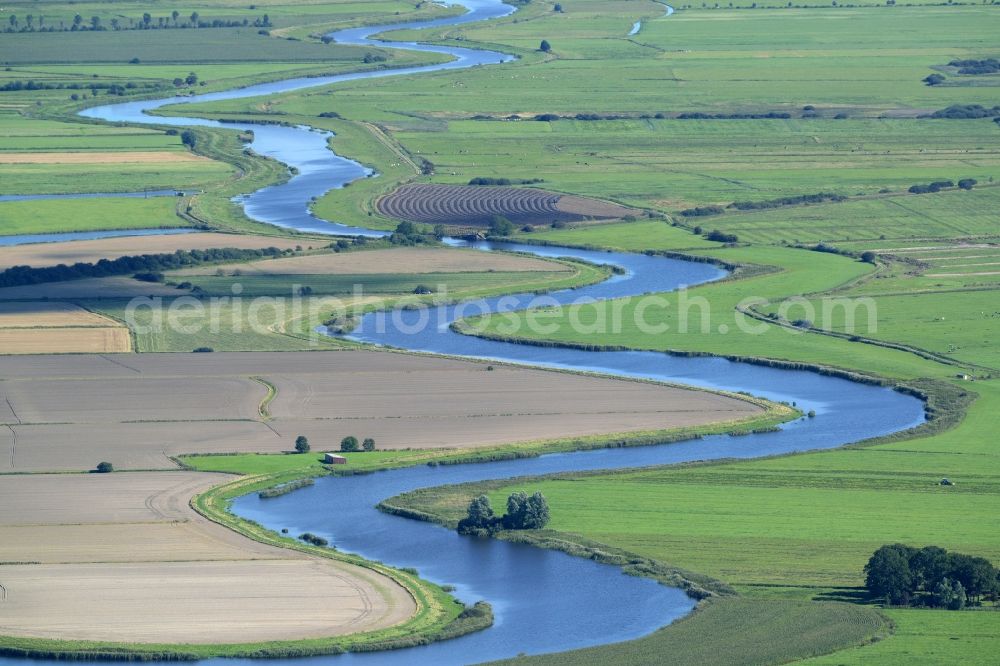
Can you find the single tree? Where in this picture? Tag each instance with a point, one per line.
(368, 444)
(175, 15)
(868, 257)
(302, 444)
(545, 47)
(188, 138)
(191, 79)
(194, 19)
(147, 18)
(105, 467)
(349, 443)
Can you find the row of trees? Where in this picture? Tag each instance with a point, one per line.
(96, 24)
(524, 512)
(938, 185)
(16, 276)
(348, 444)
(931, 576)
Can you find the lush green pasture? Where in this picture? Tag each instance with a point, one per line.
(634, 236)
(676, 164)
(962, 325)
(252, 464)
(705, 318)
(737, 632)
(73, 178)
(280, 13)
(948, 214)
(58, 215)
(854, 60)
(928, 638)
(221, 45)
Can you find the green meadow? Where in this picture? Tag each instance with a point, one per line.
(62, 215)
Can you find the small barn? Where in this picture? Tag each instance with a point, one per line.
(334, 459)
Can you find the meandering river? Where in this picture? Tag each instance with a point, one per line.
(544, 601)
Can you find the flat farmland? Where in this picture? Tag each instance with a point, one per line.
(88, 288)
(402, 260)
(138, 398)
(68, 413)
(66, 215)
(94, 157)
(62, 447)
(48, 327)
(65, 340)
(135, 538)
(47, 315)
(90, 251)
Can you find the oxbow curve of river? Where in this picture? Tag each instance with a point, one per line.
(544, 601)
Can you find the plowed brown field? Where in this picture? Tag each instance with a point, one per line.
(477, 206)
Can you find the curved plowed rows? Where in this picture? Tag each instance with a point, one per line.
(476, 206)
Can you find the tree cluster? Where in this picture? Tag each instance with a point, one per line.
(503, 182)
(966, 112)
(524, 512)
(936, 186)
(350, 444)
(697, 115)
(501, 226)
(819, 197)
(16, 276)
(931, 576)
(408, 233)
(703, 211)
(973, 67)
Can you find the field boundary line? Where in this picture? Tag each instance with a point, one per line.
(13, 444)
(127, 367)
(393, 146)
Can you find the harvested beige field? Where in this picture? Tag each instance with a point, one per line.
(402, 260)
(91, 251)
(65, 340)
(46, 328)
(165, 574)
(138, 411)
(119, 157)
(46, 314)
